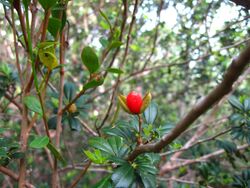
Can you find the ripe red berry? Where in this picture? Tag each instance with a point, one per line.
(134, 102)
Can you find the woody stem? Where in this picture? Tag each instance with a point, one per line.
(139, 139)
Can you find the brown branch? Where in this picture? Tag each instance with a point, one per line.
(233, 72)
(12, 100)
(89, 130)
(14, 176)
(80, 175)
(197, 143)
(16, 48)
(60, 105)
(18, 8)
(200, 159)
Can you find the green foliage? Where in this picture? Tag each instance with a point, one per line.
(104, 183)
(243, 180)
(33, 104)
(240, 119)
(47, 4)
(71, 116)
(7, 78)
(93, 83)
(90, 59)
(96, 156)
(115, 70)
(39, 142)
(54, 26)
(111, 147)
(9, 150)
(150, 113)
(56, 153)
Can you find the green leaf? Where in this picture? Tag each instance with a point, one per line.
(93, 83)
(121, 129)
(104, 183)
(56, 153)
(90, 59)
(47, 4)
(54, 26)
(56, 12)
(115, 44)
(115, 70)
(40, 142)
(104, 42)
(247, 104)
(106, 19)
(69, 90)
(26, 3)
(150, 113)
(235, 103)
(147, 171)
(17, 155)
(52, 122)
(96, 157)
(3, 153)
(165, 129)
(4, 68)
(74, 124)
(113, 146)
(123, 176)
(33, 104)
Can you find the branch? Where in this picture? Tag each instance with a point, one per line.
(14, 176)
(201, 159)
(80, 175)
(231, 75)
(198, 142)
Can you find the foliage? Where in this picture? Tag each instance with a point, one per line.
(64, 65)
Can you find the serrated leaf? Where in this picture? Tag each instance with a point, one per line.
(33, 104)
(123, 176)
(115, 70)
(39, 142)
(90, 59)
(150, 113)
(56, 153)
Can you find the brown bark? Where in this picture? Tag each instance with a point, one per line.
(233, 72)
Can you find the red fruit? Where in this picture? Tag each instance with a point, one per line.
(134, 102)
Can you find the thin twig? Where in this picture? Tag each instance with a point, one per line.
(80, 175)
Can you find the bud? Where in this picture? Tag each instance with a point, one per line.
(72, 108)
(133, 103)
(146, 101)
(122, 101)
